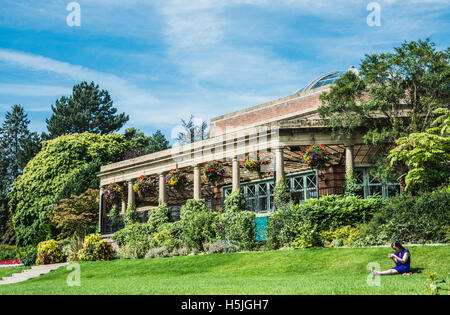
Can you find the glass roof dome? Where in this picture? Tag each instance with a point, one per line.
(328, 78)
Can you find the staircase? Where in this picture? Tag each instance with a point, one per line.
(34, 272)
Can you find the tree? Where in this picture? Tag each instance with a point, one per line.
(17, 146)
(158, 142)
(34, 193)
(77, 216)
(427, 155)
(88, 109)
(142, 144)
(192, 132)
(18, 143)
(393, 96)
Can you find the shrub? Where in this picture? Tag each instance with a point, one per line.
(159, 252)
(34, 193)
(220, 246)
(49, 252)
(239, 228)
(158, 216)
(417, 219)
(77, 216)
(7, 252)
(198, 224)
(325, 214)
(307, 236)
(282, 195)
(28, 255)
(282, 226)
(344, 236)
(131, 215)
(96, 248)
(234, 202)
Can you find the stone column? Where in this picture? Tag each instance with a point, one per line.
(197, 183)
(131, 196)
(124, 204)
(236, 173)
(279, 167)
(100, 210)
(349, 160)
(162, 189)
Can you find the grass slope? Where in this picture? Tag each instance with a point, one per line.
(311, 271)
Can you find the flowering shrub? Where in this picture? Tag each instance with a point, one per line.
(214, 172)
(176, 178)
(113, 193)
(144, 186)
(96, 248)
(10, 262)
(315, 156)
(49, 252)
(253, 162)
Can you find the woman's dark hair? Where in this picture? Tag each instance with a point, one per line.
(398, 245)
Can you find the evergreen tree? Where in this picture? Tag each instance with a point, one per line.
(88, 109)
(17, 146)
(158, 142)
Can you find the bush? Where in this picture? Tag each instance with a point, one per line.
(7, 252)
(282, 226)
(34, 193)
(414, 219)
(238, 228)
(49, 252)
(198, 224)
(28, 255)
(131, 215)
(344, 236)
(234, 202)
(307, 236)
(77, 216)
(96, 248)
(328, 213)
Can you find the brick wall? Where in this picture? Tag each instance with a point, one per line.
(290, 105)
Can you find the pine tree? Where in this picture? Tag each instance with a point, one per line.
(88, 109)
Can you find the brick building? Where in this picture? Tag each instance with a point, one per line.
(279, 130)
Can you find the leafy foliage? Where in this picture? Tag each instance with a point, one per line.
(413, 79)
(198, 224)
(96, 248)
(412, 219)
(77, 216)
(426, 154)
(34, 193)
(49, 252)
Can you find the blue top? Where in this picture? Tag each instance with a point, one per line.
(407, 263)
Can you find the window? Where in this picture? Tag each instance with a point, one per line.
(370, 186)
(259, 196)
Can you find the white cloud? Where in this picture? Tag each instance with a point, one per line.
(128, 97)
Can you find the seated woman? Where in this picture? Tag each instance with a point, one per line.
(402, 259)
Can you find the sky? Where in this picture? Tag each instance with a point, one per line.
(163, 60)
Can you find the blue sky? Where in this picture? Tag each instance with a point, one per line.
(162, 60)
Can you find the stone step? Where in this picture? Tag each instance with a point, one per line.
(34, 272)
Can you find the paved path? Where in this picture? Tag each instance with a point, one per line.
(34, 272)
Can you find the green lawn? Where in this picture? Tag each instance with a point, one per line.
(310, 271)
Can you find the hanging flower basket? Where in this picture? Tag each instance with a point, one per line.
(176, 179)
(214, 172)
(113, 193)
(315, 156)
(253, 162)
(144, 186)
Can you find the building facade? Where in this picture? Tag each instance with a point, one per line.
(279, 130)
